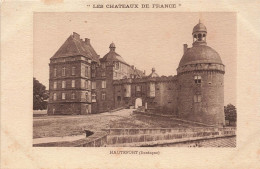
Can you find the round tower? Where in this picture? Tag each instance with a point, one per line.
(201, 81)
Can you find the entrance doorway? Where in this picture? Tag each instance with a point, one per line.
(138, 102)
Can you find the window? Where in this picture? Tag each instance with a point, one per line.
(73, 96)
(115, 74)
(103, 65)
(197, 98)
(63, 85)
(55, 72)
(93, 85)
(94, 97)
(73, 70)
(103, 74)
(93, 74)
(138, 88)
(104, 85)
(197, 79)
(103, 96)
(54, 96)
(63, 96)
(73, 83)
(55, 85)
(93, 66)
(86, 71)
(119, 98)
(117, 65)
(86, 94)
(63, 71)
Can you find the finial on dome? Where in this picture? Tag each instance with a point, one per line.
(112, 46)
(153, 69)
(199, 21)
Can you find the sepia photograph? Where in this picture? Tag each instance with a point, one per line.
(134, 79)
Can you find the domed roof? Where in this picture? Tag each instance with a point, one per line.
(112, 56)
(200, 27)
(200, 54)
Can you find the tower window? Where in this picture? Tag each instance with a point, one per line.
(55, 85)
(55, 72)
(94, 97)
(93, 85)
(86, 71)
(86, 95)
(63, 96)
(197, 98)
(73, 83)
(73, 96)
(63, 85)
(63, 71)
(119, 98)
(197, 79)
(54, 96)
(93, 74)
(103, 74)
(104, 84)
(103, 96)
(73, 71)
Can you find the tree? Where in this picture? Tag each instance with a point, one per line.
(40, 95)
(230, 113)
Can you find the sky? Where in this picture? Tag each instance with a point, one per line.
(143, 39)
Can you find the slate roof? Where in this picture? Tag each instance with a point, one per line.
(75, 46)
(112, 56)
(200, 54)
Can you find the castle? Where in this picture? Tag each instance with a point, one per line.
(82, 83)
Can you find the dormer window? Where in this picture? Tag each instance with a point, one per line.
(103, 65)
(116, 65)
(197, 79)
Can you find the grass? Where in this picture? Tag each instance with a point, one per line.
(58, 126)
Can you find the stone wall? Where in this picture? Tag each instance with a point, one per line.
(210, 109)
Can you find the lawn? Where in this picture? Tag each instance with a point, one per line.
(58, 126)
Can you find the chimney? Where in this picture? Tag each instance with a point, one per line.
(144, 72)
(87, 41)
(132, 66)
(185, 47)
(76, 36)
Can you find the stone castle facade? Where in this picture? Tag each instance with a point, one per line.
(82, 83)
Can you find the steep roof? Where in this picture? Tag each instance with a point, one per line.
(74, 46)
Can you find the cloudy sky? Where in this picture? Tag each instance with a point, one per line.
(145, 40)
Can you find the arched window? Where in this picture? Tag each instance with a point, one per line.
(197, 79)
(200, 37)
